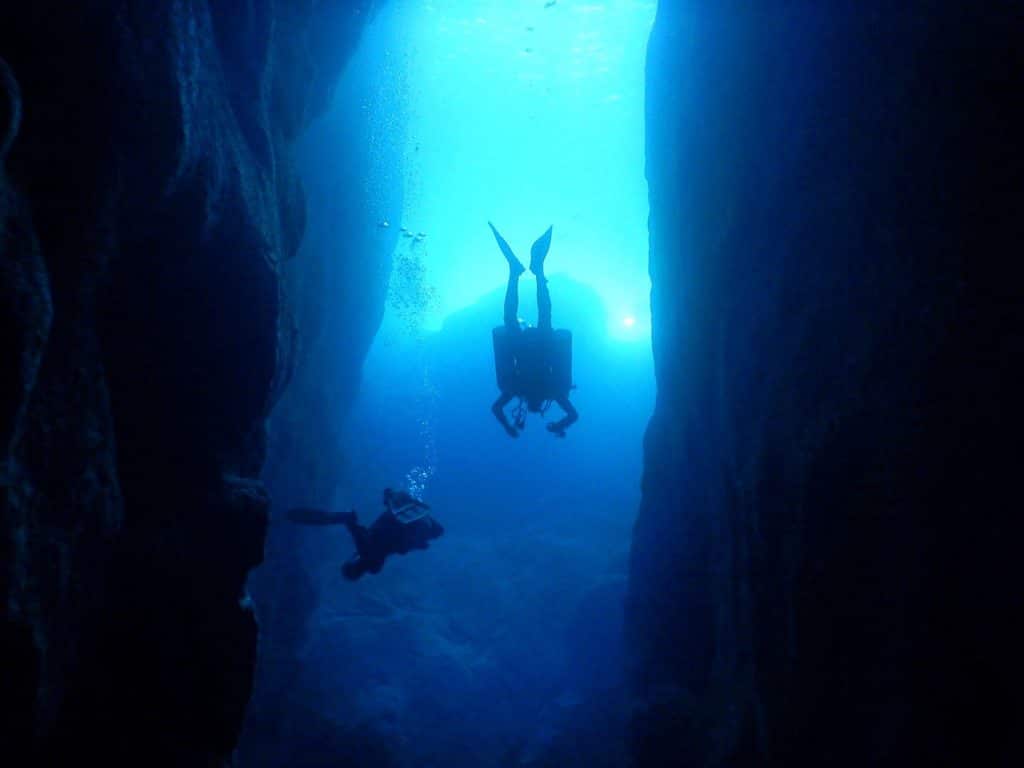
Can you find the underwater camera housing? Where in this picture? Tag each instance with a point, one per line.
(533, 363)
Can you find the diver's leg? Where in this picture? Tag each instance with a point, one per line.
(543, 304)
(539, 252)
(514, 265)
(515, 269)
(512, 303)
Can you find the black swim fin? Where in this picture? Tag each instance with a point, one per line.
(539, 252)
(514, 263)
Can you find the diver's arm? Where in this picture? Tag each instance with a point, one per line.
(570, 418)
(498, 409)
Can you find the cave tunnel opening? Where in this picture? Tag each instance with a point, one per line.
(501, 642)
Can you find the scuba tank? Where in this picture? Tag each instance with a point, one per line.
(549, 353)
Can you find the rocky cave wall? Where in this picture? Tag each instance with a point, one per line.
(336, 289)
(823, 569)
(148, 199)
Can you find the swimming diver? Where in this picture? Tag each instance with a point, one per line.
(404, 525)
(532, 364)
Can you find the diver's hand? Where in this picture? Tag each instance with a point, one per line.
(556, 429)
(511, 431)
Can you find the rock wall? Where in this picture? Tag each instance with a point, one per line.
(823, 564)
(148, 199)
(335, 290)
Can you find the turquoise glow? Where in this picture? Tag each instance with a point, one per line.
(527, 116)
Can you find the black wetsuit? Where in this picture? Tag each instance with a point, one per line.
(387, 536)
(404, 526)
(532, 349)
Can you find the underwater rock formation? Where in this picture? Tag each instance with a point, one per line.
(823, 564)
(147, 199)
(335, 303)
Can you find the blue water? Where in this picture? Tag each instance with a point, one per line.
(526, 116)
(501, 644)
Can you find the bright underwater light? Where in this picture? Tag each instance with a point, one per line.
(528, 115)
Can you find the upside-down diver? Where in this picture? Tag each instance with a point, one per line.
(532, 364)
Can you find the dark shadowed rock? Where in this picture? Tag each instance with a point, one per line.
(147, 203)
(334, 298)
(823, 565)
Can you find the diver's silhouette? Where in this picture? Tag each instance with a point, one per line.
(404, 525)
(532, 364)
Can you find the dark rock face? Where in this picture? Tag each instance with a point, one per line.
(335, 290)
(823, 565)
(147, 199)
